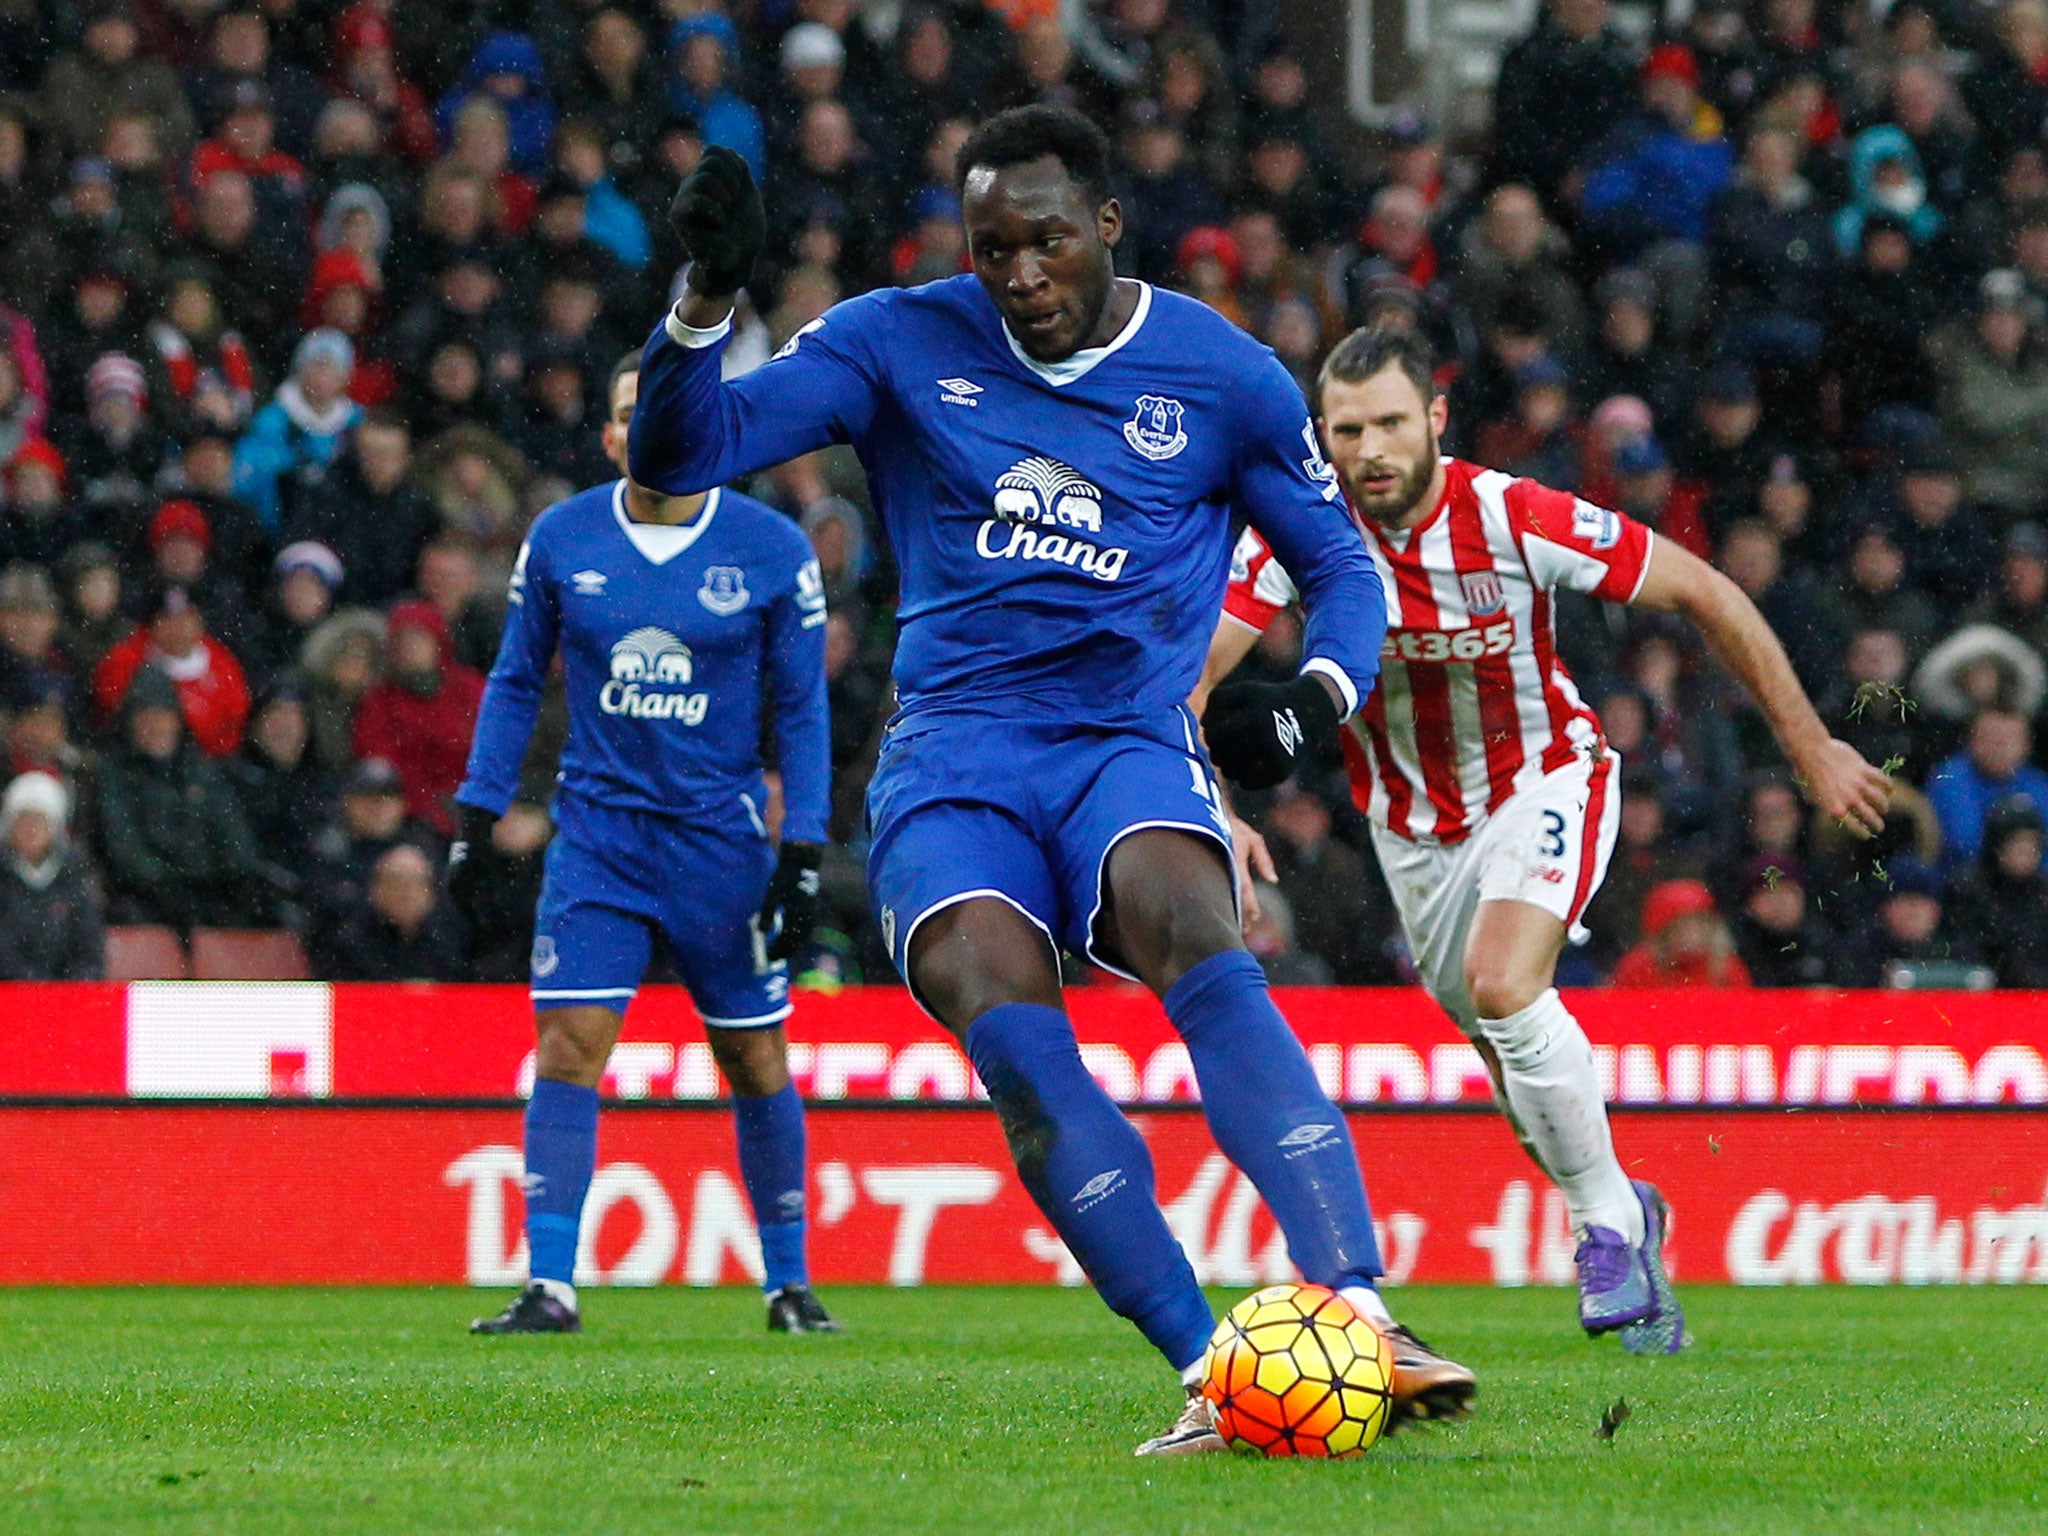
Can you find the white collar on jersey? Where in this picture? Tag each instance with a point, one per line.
(1067, 370)
(660, 543)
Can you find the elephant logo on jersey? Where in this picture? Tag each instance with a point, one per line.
(724, 591)
(650, 655)
(1036, 501)
(1156, 430)
(1047, 491)
(644, 660)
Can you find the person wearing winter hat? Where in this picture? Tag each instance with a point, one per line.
(303, 582)
(294, 438)
(50, 925)
(1685, 942)
(173, 841)
(421, 715)
(212, 690)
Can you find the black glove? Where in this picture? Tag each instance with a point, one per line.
(789, 912)
(717, 211)
(469, 860)
(1260, 733)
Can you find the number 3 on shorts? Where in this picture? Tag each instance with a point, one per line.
(1553, 835)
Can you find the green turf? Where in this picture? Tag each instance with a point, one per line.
(989, 1411)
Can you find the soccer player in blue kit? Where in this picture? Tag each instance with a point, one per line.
(667, 610)
(1056, 455)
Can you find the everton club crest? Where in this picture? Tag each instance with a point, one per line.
(724, 591)
(1155, 431)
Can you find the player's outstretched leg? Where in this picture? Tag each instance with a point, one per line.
(989, 976)
(1176, 922)
(769, 1118)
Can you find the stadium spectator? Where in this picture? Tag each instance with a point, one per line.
(1685, 942)
(304, 580)
(93, 623)
(402, 931)
(30, 657)
(1643, 859)
(296, 436)
(211, 688)
(1994, 765)
(1339, 912)
(172, 839)
(50, 927)
(419, 717)
(106, 74)
(1911, 931)
(369, 821)
(1564, 87)
(2003, 901)
(1993, 396)
(1778, 935)
(703, 52)
(285, 793)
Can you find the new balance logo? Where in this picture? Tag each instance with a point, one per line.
(1288, 730)
(959, 391)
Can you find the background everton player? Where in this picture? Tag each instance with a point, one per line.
(1056, 454)
(667, 610)
(1493, 796)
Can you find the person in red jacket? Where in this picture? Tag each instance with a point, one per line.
(421, 714)
(213, 692)
(1685, 942)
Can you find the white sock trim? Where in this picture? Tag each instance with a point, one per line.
(560, 1290)
(1369, 1304)
(1191, 1378)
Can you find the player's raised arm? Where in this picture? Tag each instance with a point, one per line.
(692, 430)
(1833, 773)
(1257, 731)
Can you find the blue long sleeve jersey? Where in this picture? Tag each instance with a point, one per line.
(665, 633)
(1063, 531)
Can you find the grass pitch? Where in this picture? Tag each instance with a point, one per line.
(989, 1411)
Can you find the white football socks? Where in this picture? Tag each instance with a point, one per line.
(1368, 1304)
(561, 1290)
(1553, 1091)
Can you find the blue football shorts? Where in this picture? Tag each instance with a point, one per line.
(616, 878)
(1026, 812)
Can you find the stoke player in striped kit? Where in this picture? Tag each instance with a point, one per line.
(1494, 797)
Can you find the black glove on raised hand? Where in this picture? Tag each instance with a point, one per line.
(1260, 733)
(789, 912)
(717, 211)
(469, 858)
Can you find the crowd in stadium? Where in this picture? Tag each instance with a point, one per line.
(307, 309)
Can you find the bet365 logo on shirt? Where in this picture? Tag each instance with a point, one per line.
(650, 667)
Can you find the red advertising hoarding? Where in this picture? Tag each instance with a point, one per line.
(268, 1040)
(331, 1194)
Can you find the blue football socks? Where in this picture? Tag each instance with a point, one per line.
(561, 1155)
(1271, 1117)
(771, 1137)
(1088, 1170)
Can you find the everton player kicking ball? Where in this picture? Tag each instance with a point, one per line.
(1294, 1370)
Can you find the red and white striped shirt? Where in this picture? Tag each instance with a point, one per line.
(1473, 703)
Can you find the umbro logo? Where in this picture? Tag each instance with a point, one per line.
(1288, 729)
(1306, 1135)
(959, 391)
(588, 583)
(1101, 1184)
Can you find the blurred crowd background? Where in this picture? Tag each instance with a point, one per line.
(306, 311)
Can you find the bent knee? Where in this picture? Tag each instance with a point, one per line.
(1498, 991)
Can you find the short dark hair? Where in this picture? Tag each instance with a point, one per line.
(629, 363)
(1024, 134)
(1369, 349)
